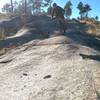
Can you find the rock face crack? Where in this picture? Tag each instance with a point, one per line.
(6, 61)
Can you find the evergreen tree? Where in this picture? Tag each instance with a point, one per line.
(68, 9)
(6, 8)
(81, 9)
(87, 8)
(12, 6)
(84, 9)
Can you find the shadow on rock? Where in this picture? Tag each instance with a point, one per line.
(22, 38)
(93, 57)
(77, 32)
(84, 39)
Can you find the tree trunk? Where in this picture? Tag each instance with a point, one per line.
(12, 6)
(25, 6)
(86, 14)
(81, 16)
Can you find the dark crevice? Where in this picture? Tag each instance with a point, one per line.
(93, 57)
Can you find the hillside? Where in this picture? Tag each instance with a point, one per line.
(41, 63)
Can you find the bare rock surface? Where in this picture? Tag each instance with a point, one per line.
(49, 72)
(62, 67)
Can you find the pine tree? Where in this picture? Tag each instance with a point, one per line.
(68, 10)
(12, 6)
(81, 9)
(87, 8)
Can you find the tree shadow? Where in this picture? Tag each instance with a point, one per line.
(44, 24)
(82, 37)
(34, 35)
(41, 28)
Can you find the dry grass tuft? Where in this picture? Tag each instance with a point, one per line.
(3, 51)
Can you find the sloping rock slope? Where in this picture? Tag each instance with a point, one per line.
(49, 72)
(39, 28)
(11, 25)
(62, 67)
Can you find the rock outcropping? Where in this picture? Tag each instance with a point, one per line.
(60, 67)
(11, 25)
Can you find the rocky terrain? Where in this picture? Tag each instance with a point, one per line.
(41, 63)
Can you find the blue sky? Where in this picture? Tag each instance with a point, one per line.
(95, 4)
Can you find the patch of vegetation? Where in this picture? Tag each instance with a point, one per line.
(98, 95)
(3, 51)
(2, 34)
(93, 30)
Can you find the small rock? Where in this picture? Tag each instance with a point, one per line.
(24, 86)
(21, 76)
(48, 76)
(25, 74)
(35, 74)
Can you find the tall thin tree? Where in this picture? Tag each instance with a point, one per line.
(12, 6)
(25, 6)
(87, 8)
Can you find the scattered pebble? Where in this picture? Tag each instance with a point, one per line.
(15, 90)
(35, 74)
(48, 76)
(24, 86)
(25, 74)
